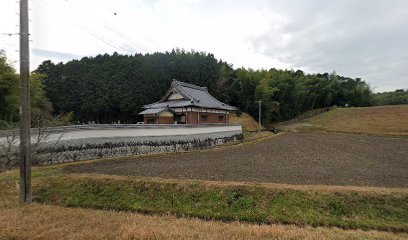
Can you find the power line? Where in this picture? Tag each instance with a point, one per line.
(115, 31)
(10, 34)
(122, 35)
(87, 30)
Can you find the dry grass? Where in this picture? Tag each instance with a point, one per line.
(247, 122)
(52, 222)
(270, 186)
(381, 120)
(39, 221)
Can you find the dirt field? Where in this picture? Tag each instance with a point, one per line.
(293, 158)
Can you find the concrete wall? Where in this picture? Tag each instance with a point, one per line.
(86, 142)
(94, 148)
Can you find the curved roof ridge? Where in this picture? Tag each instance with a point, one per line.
(189, 85)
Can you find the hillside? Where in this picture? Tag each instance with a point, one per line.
(382, 120)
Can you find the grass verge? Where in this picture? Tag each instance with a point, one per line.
(251, 203)
(43, 221)
(40, 221)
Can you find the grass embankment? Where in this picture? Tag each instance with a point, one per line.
(248, 123)
(381, 120)
(366, 208)
(345, 209)
(251, 129)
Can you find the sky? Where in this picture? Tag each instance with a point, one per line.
(367, 39)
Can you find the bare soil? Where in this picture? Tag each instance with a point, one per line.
(292, 158)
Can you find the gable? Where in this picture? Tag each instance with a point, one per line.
(175, 96)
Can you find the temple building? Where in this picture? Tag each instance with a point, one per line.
(186, 103)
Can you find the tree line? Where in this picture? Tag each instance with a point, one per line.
(113, 88)
(41, 107)
(399, 96)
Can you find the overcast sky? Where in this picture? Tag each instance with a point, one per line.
(356, 38)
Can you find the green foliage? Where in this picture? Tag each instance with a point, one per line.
(9, 97)
(397, 97)
(108, 88)
(62, 119)
(41, 108)
(5, 67)
(67, 118)
(287, 93)
(346, 209)
(9, 90)
(5, 125)
(238, 112)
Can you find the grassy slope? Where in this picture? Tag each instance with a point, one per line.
(366, 208)
(230, 203)
(247, 122)
(52, 222)
(382, 120)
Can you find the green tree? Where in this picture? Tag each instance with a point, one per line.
(109, 88)
(9, 95)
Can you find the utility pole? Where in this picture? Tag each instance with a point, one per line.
(25, 118)
(260, 112)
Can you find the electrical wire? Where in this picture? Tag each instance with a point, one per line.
(123, 36)
(101, 38)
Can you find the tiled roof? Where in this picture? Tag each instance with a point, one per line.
(193, 96)
(173, 103)
(153, 111)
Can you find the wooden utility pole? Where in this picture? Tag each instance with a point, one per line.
(260, 112)
(25, 118)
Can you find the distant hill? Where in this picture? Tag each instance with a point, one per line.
(382, 120)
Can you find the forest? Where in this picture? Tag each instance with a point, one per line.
(399, 96)
(113, 88)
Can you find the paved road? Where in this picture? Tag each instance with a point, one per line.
(135, 132)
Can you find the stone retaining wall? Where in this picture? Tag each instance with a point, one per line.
(94, 148)
(4, 133)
